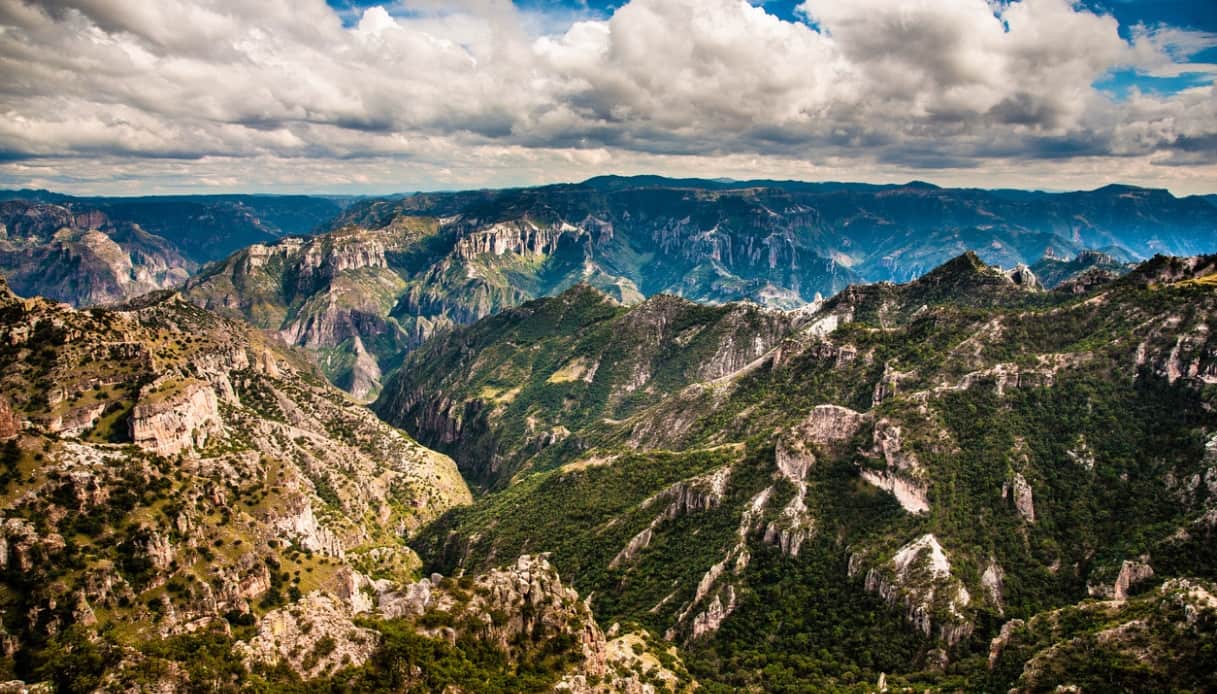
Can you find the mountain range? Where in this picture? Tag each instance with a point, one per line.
(392, 272)
(187, 505)
(629, 435)
(95, 251)
(1024, 478)
(963, 482)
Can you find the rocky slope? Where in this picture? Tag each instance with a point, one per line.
(882, 480)
(1086, 270)
(83, 258)
(96, 251)
(427, 262)
(172, 477)
(334, 295)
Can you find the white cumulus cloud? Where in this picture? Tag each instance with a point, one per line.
(282, 94)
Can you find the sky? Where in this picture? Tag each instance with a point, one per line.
(122, 97)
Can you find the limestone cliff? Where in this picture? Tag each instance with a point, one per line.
(172, 416)
(84, 259)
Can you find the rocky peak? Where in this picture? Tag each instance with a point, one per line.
(918, 576)
(1163, 269)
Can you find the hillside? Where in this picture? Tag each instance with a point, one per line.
(393, 272)
(97, 251)
(883, 483)
(179, 495)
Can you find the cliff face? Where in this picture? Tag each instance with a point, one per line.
(103, 251)
(182, 474)
(84, 258)
(183, 418)
(391, 273)
(332, 295)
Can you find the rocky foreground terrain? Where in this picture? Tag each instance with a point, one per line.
(187, 505)
(963, 482)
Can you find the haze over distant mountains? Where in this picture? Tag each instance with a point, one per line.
(390, 272)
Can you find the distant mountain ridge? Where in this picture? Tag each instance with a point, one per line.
(413, 265)
(89, 251)
(387, 273)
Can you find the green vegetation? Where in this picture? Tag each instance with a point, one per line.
(987, 383)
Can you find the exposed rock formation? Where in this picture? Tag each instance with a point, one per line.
(244, 464)
(174, 416)
(314, 636)
(687, 496)
(918, 577)
(9, 424)
(1131, 573)
(84, 259)
(1023, 500)
(903, 477)
(827, 428)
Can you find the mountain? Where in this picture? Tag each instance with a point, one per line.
(184, 504)
(964, 482)
(92, 251)
(392, 272)
(1087, 269)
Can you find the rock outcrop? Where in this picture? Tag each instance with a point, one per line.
(918, 578)
(827, 428)
(1132, 572)
(9, 424)
(211, 478)
(314, 636)
(903, 477)
(1024, 501)
(175, 416)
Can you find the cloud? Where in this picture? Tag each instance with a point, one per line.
(474, 90)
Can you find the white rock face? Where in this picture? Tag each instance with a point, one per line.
(712, 583)
(938, 564)
(827, 428)
(303, 528)
(911, 495)
(712, 618)
(993, 581)
(1131, 573)
(915, 575)
(904, 476)
(172, 417)
(1023, 500)
(313, 636)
